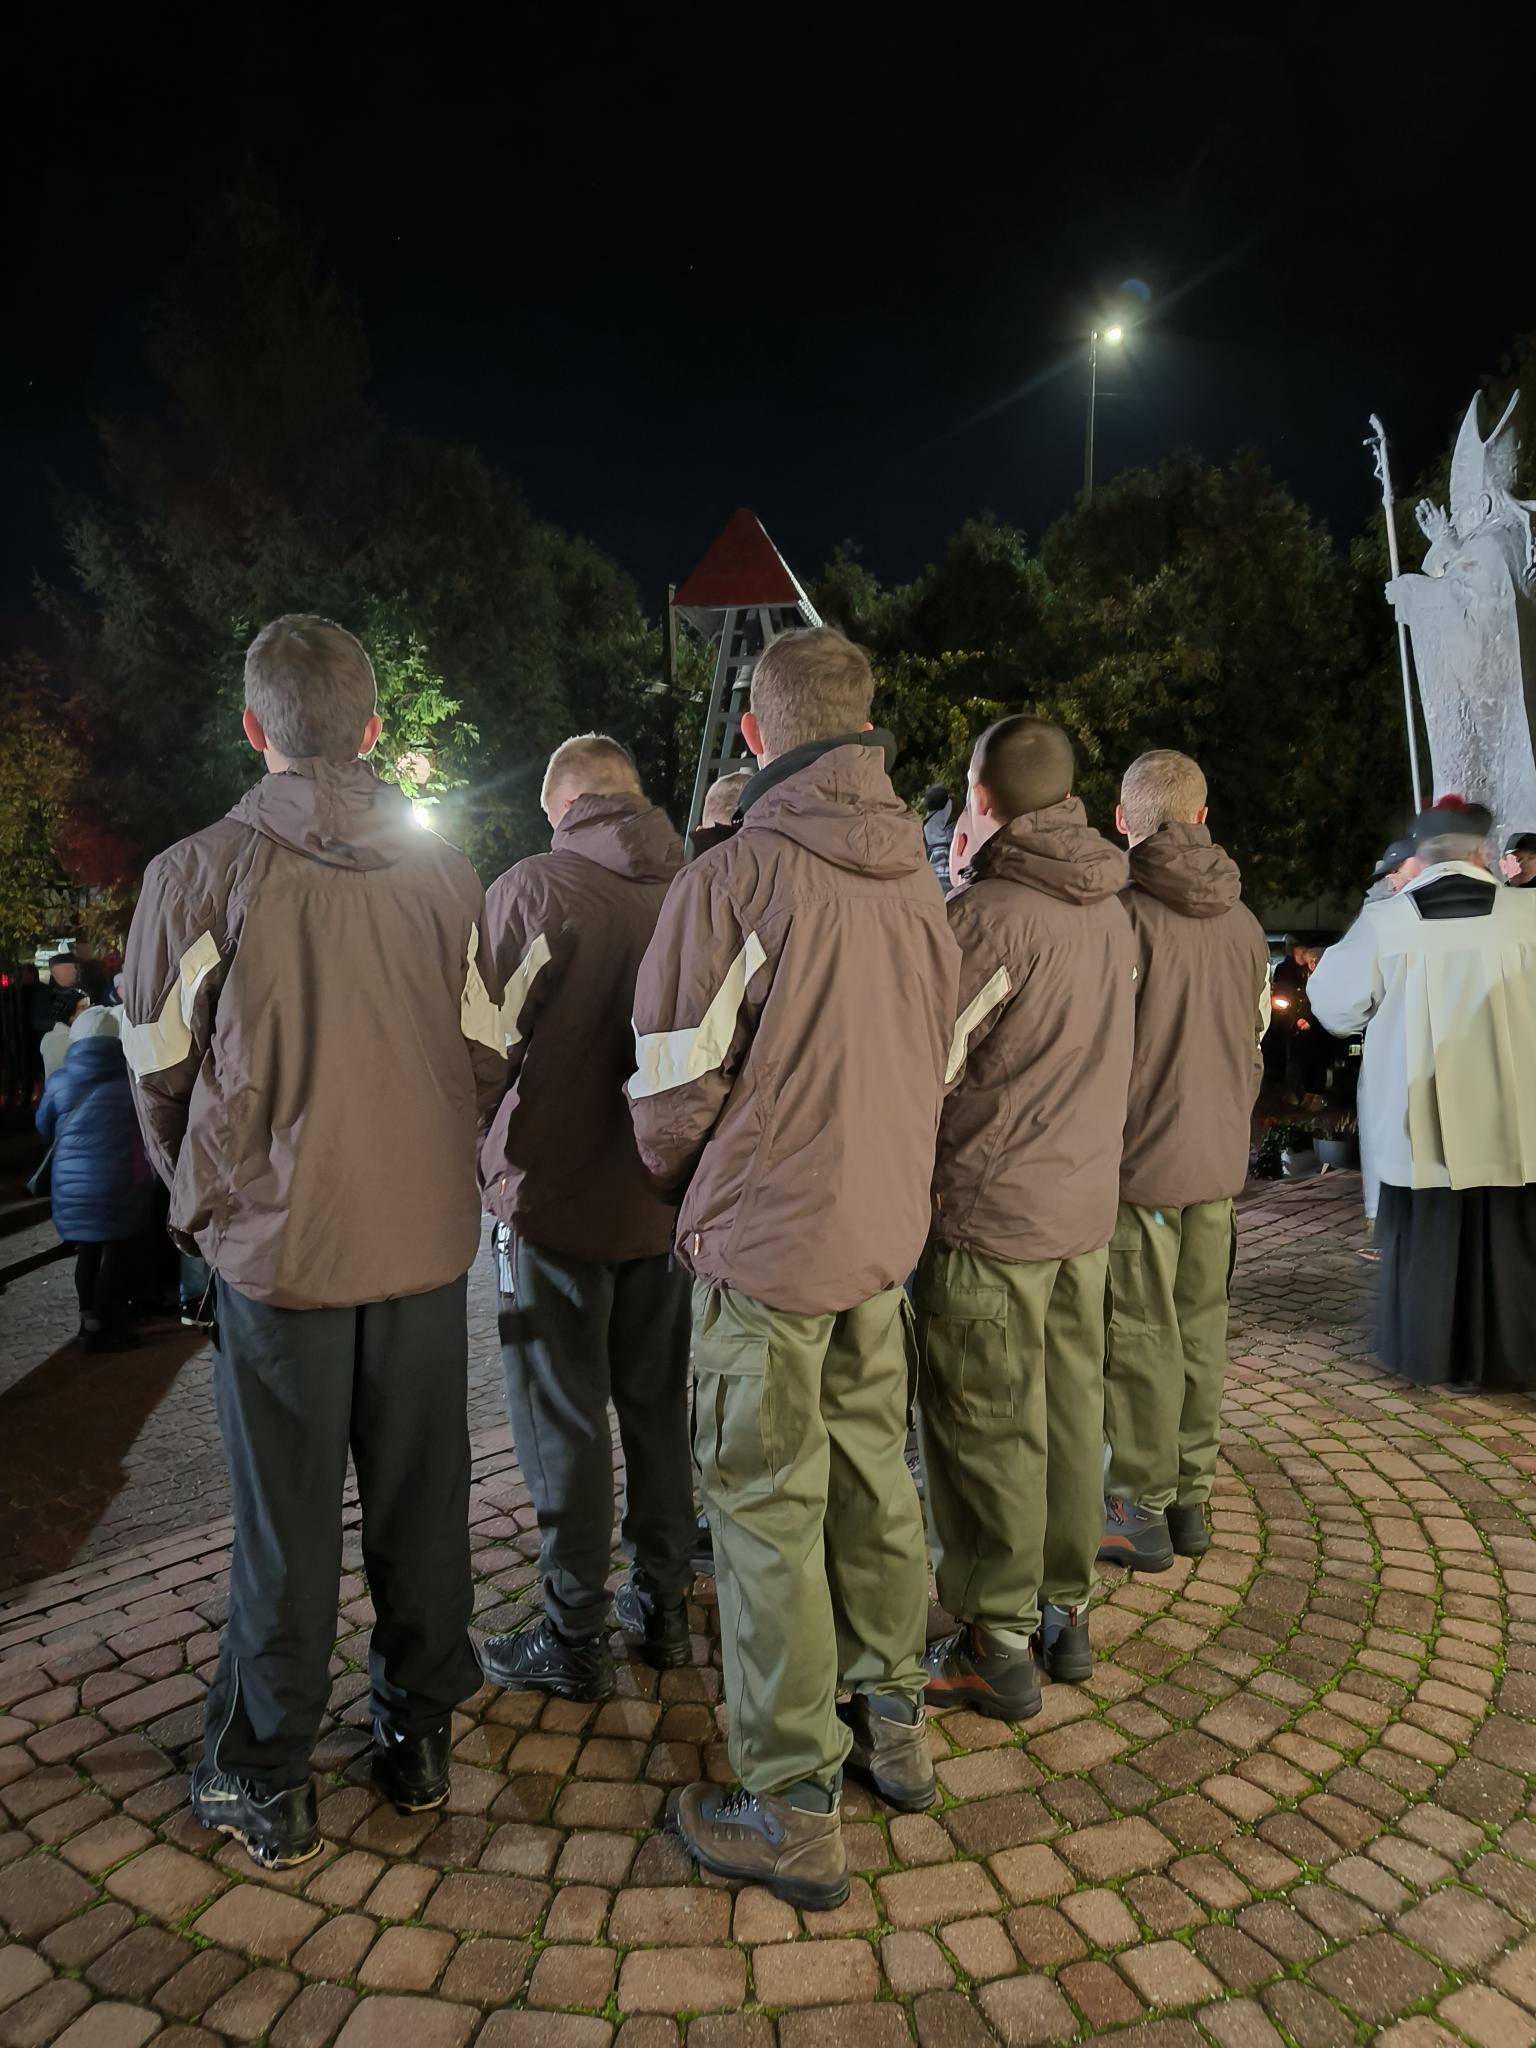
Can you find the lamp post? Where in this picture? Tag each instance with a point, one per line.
(1113, 336)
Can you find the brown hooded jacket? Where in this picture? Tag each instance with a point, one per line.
(312, 1041)
(567, 931)
(1200, 995)
(791, 1024)
(1029, 1148)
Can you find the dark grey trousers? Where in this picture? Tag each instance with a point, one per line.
(294, 1390)
(575, 1335)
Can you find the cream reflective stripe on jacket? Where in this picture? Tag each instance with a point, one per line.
(485, 1023)
(165, 1040)
(978, 1008)
(671, 1059)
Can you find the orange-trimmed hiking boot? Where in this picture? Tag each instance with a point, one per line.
(972, 1669)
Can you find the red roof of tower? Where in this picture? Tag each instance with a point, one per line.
(741, 567)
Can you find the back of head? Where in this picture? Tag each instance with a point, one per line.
(1452, 830)
(590, 764)
(1024, 764)
(814, 684)
(95, 1023)
(311, 685)
(722, 797)
(1161, 788)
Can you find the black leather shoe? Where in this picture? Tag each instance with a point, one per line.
(1187, 1530)
(1062, 1646)
(539, 1659)
(411, 1770)
(276, 1829)
(663, 1631)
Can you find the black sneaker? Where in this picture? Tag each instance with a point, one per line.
(1135, 1537)
(411, 1770)
(1061, 1644)
(663, 1631)
(1187, 1531)
(539, 1659)
(972, 1669)
(276, 1829)
(703, 1558)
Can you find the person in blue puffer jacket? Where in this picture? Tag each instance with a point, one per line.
(99, 1179)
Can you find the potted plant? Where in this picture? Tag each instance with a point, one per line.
(1286, 1149)
(1339, 1147)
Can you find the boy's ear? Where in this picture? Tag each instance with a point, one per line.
(253, 732)
(752, 733)
(370, 738)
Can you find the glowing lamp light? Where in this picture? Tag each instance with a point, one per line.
(1280, 1002)
(1114, 334)
(422, 816)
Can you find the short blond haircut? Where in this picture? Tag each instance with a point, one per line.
(814, 684)
(311, 686)
(1161, 788)
(722, 797)
(590, 764)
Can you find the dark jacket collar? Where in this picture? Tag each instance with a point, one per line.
(797, 758)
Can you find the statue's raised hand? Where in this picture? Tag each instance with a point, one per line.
(1434, 523)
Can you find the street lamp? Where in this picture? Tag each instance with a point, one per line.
(1112, 336)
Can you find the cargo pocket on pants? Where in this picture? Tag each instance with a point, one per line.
(964, 1348)
(732, 1435)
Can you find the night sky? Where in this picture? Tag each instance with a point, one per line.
(661, 270)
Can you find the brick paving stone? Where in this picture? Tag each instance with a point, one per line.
(1101, 1917)
(914, 1962)
(20, 1972)
(486, 1971)
(1377, 1977)
(78, 1942)
(347, 1881)
(564, 1977)
(43, 2014)
(1043, 1937)
(402, 1891)
(843, 2026)
(134, 1966)
(166, 1883)
(259, 1922)
(820, 1973)
(471, 1904)
(248, 2009)
(1003, 1821)
(1459, 1928)
(944, 2019)
(1027, 2010)
(1036, 1872)
(1312, 2020)
(38, 1894)
(1487, 2018)
(1165, 1973)
(110, 2026)
(1100, 1995)
(675, 1916)
(1117, 1849)
(382, 2022)
(923, 1898)
(981, 1948)
(1282, 1930)
(1238, 1960)
(336, 1949)
(198, 1983)
(1239, 2023)
(107, 1843)
(576, 1914)
(682, 1980)
(541, 2030)
(315, 2017)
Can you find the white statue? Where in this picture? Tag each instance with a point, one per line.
(1472, 617)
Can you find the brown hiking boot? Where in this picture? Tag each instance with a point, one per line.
(796, 1855)
(890, 1751)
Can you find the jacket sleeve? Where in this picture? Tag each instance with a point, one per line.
(520, 931)
(988, 984)
(172, 972)
(50, 1108)
(1346, 985)
(701, 987)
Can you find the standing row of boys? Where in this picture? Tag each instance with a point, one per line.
(1034, 1098)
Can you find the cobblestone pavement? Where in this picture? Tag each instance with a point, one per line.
(1296, 1802)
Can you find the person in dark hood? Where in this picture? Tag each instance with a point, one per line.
(1201, 1003)
(319, 1142)
(717, 818)
(593, 1307)
(938, 831)
(1010, 1291)
(99, 1181)
(1518, 864)
(792, 1019)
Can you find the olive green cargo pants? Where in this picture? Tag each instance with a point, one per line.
(1011, 1418)
(800, 1430)
(1169, 1274)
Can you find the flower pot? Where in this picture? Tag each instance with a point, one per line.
(1300, 1165)
(1338, 1152)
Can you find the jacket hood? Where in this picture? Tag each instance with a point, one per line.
(1181, 867)
(93, 1057)
(840, 806)
(1056, 851)
(623, 832)
(343, 816)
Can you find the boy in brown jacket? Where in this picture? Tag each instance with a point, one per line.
(1201, 994)
(309, 1025)
(1010, 1292)
(791, 1025)
(593, 1307)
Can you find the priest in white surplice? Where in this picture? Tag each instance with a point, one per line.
(1444, 976)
